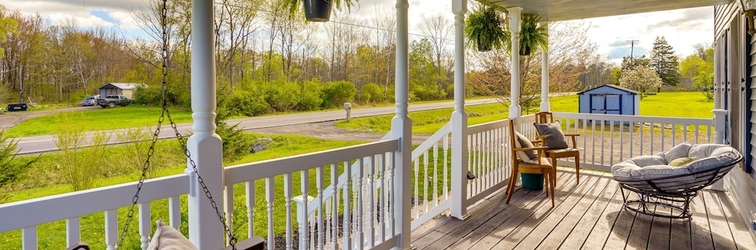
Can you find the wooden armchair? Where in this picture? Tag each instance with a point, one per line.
(528, 159)
(554, 154)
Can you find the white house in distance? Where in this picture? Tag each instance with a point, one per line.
(125, 89)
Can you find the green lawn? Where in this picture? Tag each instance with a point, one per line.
(667, 104)
(99, 119)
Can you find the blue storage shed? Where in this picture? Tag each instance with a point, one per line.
(609, 99)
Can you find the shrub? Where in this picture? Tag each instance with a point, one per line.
(310, 95)
(82, 166)
(12, 168)
(372, 93)
(282, 95)
(248, 103)
(335, 94)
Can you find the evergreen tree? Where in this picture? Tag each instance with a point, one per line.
(664, 62)
(630, 63)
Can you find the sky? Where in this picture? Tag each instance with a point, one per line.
(682, 29)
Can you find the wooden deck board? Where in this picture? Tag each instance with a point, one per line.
(586, 216)
(700, 234)
(583, 228)
(559, 212)
(504, 233)
(720, 230)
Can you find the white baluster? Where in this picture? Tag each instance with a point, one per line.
(288, 186)
(29, 235)
(435, 174)
(249, 190)
(145, 224)
(416, 206)
(621, 140)
(270, 198)
(333, 213)
(425, 181)
(73, 233)
(229, 207)
(611, 144)
(446, 166)
(321, 205)
(174, 211)
(347, 193)
(371, 202)
(603, 128)
(111, 229)
(360, 235)
(302, 211)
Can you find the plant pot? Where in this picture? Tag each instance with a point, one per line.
(532, 181)
(525, 51)
(483, 46)
(318, 10)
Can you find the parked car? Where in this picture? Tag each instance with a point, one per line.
(111, 101)
(90, 100)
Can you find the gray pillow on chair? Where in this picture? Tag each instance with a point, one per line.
(523, 142)
(555, 139)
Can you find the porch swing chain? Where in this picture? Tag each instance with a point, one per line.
(182, 143)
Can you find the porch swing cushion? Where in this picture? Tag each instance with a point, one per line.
(168, 238)
(650, 167)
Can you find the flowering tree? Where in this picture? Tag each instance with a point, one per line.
(640, 78)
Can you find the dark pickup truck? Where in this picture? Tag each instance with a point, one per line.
(112, 100)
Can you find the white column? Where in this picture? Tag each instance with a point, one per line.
(459, 117)
(545, 75)
(401, 128)
(205, 229)
(514, 69)
(719, 131)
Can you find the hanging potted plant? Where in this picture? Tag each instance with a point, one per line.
(532, 35)
(484, 26)
(317, 10)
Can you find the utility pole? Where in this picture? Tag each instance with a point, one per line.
(632, 46)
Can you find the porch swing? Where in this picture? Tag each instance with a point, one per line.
(173, 239)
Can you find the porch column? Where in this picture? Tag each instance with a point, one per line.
(514, 68)
(205, 229)
(459, 117)
(401, 128)
(719, 131)
(545, 75)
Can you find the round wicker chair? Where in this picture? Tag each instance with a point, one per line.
(665, 183)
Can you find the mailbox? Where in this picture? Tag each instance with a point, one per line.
(348, 108)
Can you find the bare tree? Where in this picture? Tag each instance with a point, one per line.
(438, 30)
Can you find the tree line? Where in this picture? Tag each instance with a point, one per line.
(270, 61)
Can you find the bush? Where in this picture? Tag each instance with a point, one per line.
(372, 93)
(247, 103)
(282, 95)
(236, 143)
(82, 166)
(310, 96)
(12, 168)
(335, 94)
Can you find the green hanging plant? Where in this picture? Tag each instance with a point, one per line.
(484, 26)
(532, 35)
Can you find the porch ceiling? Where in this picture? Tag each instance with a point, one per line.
(560, 10)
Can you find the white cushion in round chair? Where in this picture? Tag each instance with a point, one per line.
(650, 167)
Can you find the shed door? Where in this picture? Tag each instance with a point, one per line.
(606, 104)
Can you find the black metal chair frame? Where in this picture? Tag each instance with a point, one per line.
(668, 197)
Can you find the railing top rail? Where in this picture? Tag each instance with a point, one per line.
(71, 205)
(432, 140)
(271, 168)
(486, 126)
(634, 118)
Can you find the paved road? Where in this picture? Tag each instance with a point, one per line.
(44, 143)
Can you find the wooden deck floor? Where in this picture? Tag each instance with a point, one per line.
(588, 215)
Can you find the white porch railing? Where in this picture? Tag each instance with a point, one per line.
(362, 214)
(610, 139)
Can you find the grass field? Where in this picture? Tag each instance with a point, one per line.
(99, 119)
(666, 104)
